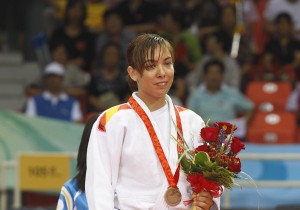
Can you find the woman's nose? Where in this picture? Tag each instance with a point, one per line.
(160, 70)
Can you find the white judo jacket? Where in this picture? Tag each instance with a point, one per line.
(123, 170)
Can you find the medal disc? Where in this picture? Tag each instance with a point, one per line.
(172, 196)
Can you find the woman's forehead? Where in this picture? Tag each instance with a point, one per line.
(159, 52)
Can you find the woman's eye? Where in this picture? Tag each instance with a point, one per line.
(150, 66)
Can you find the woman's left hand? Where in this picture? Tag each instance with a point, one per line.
(202, 200)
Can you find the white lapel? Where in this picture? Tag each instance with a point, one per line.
(154, 124)
(173, 156)
(171, 152)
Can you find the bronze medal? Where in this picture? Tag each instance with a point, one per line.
(172, 196)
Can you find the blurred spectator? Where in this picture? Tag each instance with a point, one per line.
(114, 32)
(53, 102)
(259, 33)
(31, 13)
(282, 44)
(75, 79)
(79, 41)
(228, 26)
(207, 18)
(214, 49)
(187, 50)
(186, 46)
(54, 14)
(139, 15)
(250, 15)
(291, 71)
(111, 3)
(94, 18)
(215, 101)
(108, 86)
(266, 69)
(274, 7)
(293, 102)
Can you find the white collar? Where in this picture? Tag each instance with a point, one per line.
(62, 96)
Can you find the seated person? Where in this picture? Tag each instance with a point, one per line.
(292, 104)
(214, 47)
(108, 86)
(72, 195)
(53, 102)
(216, 102)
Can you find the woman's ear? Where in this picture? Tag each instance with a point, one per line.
(133, 74)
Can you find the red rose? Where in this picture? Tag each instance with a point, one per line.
(235, 165)
(203, 148)
(227, 127)
(209, 134)
(236, 145)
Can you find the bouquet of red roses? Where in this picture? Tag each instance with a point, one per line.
(215, 164)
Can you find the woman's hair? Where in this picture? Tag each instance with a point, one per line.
(70, 4)
(81, 157)
(140, 48)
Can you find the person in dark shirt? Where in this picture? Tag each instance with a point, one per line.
(139, 15)
(79, 41)
(108, 86)
(283, 45)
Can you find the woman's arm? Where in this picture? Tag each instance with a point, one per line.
(98, 184)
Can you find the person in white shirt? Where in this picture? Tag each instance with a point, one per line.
(132, 158)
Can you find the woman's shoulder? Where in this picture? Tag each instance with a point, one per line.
(115, 115)
(188, 114)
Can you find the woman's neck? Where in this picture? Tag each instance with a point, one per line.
(152, 103)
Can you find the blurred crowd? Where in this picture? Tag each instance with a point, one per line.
(220, 47)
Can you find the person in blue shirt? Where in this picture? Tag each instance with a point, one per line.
(54, 102)
(72, 195)
(215, 101)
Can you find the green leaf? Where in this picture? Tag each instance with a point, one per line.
(222, 176)
(202, 159)
(185, 164)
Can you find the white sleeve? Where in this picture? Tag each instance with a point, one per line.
(103, 159)
(76, 114)
(30, 109)
(216, 206)
(270, 10)
(292, 102)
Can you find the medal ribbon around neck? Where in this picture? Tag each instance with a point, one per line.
(172, 180)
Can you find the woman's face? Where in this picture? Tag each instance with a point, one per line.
(157, 77)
